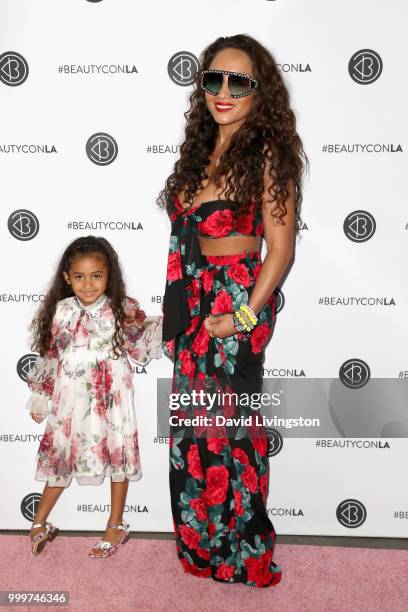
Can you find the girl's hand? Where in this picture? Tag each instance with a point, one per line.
(133, 314)
(220, 326)
(37, 417)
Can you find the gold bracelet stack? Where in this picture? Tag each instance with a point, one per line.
(244, 318)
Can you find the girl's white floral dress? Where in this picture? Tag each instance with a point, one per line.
(91, 430)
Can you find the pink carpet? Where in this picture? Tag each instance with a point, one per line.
(146, 575)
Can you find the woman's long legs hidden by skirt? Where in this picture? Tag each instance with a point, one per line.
(219, 473)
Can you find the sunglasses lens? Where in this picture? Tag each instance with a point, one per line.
(212, 82)
(238, 85)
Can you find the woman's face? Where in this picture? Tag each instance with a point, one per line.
(224, 109)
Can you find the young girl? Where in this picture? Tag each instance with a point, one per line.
(84, 333)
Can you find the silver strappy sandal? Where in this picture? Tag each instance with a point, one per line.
(40, 539)
(108, 547)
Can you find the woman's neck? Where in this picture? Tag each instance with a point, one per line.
(225, 133)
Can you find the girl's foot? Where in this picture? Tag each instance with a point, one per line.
(115, 535)
(40, 534)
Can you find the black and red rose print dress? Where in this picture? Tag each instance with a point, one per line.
(218, 475)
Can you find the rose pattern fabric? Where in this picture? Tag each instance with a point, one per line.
(218, 483)
(91, 431)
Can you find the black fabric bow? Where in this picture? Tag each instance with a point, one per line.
(176, 311)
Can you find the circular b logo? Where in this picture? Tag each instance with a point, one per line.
(354, 373)
(280, 299)
(13, 68)
(24, 365)
(182, 67)
(359, 226)
(275, 441)
(365, 66)
(351, 513)
(29, 505)
(23, 224)
(101, 149)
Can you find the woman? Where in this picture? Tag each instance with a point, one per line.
(238, 179)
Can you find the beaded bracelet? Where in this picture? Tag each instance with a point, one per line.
(237, 324)
(244, 318)
(246, 323)
(246, 308)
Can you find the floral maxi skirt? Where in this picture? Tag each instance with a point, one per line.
(219, 475)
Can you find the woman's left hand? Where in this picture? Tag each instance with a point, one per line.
(220, 326)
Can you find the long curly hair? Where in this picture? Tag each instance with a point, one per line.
(266, 142)
(115, 290)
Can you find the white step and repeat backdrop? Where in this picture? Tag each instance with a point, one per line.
(92, 98)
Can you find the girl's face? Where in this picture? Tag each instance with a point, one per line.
(224, 109)
(88, 277)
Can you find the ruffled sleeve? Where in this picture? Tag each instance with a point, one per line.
(42, 375)
(143, 334)
(41, 380)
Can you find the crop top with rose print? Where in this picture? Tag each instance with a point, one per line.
(215, 219)
(212, 219)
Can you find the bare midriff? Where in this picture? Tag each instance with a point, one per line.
(230, 245)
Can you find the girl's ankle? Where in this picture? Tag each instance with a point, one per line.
(40, 523)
